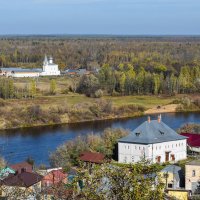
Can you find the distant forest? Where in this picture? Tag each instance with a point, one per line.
(128, 65)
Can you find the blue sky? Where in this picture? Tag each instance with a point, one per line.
(128, 17)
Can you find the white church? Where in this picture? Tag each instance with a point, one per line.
(49, 69)
(153, 140)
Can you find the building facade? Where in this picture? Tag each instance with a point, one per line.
(153, 141)
(172, 176)
(49, 69)
(192, 176)
(20, 72)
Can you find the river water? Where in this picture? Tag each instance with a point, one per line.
(38, 142)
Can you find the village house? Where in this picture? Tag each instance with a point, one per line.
(192, 176)
(24, 183)
(172, 176)
(5, 172)
(54, 177)
(153, 140)
(91, 158)
(22, 167)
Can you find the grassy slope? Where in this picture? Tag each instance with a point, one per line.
(73, 98)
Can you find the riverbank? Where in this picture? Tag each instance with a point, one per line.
(171, 108)
(73, 108)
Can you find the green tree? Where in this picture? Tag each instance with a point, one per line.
(88, 85)
(53, 87)
(116, 182)
(11, 88)
(32, 88)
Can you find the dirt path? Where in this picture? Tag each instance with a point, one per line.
(162, 109)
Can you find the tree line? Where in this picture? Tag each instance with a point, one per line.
(8, 90)
(75, 52)
(125, 79)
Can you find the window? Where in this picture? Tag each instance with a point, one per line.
(158, 159)
(193, 173)
(125, 159)
(170, 185)
(139, 147)
(172, 157)
(132, 158)
(128, 147)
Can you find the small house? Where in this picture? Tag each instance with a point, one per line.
(22, 167)
(54, 177)
(172, 176)
(192, 176)
(92, 157)
(24, 183)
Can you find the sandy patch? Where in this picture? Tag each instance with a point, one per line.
(162, 109)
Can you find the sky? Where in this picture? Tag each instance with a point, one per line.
(116, 17)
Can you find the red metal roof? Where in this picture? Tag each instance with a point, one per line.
(92, 157)
(19, 167)
(193, 139)
(24, 179)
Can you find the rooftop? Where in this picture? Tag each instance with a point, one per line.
(176, 170)
(25, 179)
(12, 69)
(193, 139)
(150, 132)
(92, 157)
(23, 165)
(194, 162)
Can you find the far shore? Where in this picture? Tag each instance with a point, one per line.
(171, 108)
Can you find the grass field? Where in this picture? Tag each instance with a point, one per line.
(43, 85)
(69, 107)
(74, 98)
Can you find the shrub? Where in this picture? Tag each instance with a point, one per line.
(186, 101)
(197, 102)
(34, 111)
(68, 153)
(98, 93)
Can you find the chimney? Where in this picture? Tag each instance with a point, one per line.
(149, 119)
(159, 118)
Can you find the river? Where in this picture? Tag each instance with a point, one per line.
(38, 142)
